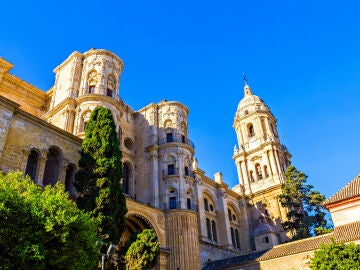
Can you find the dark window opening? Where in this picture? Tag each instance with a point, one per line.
(70, 179)
(109, 92)
(229, 214)
(183, 138)
(266, 239)
(171, 169)
(206, 205)
(32, 164)
(252, 179)
(213, 226)
(91, 89)
(188, 202)
(233, 237)
(186, 169)
(52, 167)
(237, 238)
(172, 202)
(169, 137)
(251, 131)
(208, 228)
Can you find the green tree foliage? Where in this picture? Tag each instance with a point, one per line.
(306, 215)
(42, 228)
(336, 257)
(143, 253)
(99, 174)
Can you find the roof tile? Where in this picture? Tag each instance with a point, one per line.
(352, 189)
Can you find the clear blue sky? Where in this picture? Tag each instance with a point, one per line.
(301, 57)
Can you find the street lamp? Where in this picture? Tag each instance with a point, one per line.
(109, 252)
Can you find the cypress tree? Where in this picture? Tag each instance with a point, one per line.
(99, 174)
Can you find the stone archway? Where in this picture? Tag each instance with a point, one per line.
(140, 216)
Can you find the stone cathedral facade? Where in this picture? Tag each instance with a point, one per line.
(197, 219)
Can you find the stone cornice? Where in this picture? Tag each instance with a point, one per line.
(49, 127)
(257, 149)
(106, 52)
(5, 66)
(9, 103)
(177, 145)
(73, 55)
(268, 190)
(60, 107)
(164, 103)
(25, 85)
(118, 103)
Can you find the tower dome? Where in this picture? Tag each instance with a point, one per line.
(250, 103)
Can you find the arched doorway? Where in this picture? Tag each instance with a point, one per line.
(52, 167)
(70, 179)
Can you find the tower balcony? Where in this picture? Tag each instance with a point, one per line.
(176, 139)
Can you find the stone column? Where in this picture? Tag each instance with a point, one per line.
(163, 258)
(42, 164)
(245, 175)
(240, 175)
(24, 159)
(268, 164)
(69, 120)
(182, 229)
(276, 153)
(155, 178)
(273, 163)
(181, 192)
(62, 171)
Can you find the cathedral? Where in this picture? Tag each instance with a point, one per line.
(197, 219)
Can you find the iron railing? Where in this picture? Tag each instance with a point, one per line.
(176, 205)
(176, 138)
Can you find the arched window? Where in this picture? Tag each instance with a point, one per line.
(233, 237)
(258, 171)
(208, 229)
(206, 204)
(32, 164)
(266, 172)
(111, 84)
(237, 238)
(172, 198)
(126, 178)
(188, 199)
(252, 179)
(52, 167)
(251, 131)
(171, 165)
(85, 119)
(91, 81)
(168, 124)
(70, 180)
(229, 214)
(214, 234)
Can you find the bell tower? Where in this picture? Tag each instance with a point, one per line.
(261, 161)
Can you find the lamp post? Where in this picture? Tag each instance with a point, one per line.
(109, 252)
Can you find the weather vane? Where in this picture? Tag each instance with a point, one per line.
(244, 78)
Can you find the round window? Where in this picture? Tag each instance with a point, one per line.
(128, 143)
